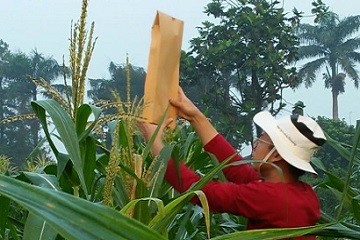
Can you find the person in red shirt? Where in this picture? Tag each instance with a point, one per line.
(269, 192)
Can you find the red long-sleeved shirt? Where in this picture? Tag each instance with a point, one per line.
(265, 204)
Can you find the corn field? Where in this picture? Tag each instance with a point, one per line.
(114, 189)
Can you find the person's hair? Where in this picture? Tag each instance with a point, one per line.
(296, 172)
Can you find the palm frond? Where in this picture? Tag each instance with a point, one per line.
(354, 56)
(308, 71)
(347, 27)
(350, 45)
(308, 34)
(310, 51)
(350, 69)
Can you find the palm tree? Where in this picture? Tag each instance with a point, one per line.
(330, 44)
(21, 90)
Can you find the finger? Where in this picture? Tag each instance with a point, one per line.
(166, 124)
(180, 90)
(140, 124)
(174, 102)
(178, 98)
(168, 121)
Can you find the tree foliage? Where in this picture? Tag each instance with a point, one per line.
(66, 199)
(340, 131)
(17, 90)
(104, 89)
(240, 62)
(330, 46)
(333, 161)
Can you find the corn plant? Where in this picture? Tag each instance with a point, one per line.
(65, 211)
(114, 189)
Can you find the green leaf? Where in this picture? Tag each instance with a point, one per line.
(160, 222)
(143, 210)
(205, 206)
(209, 176)
(159, 169)
(124, 138)
(267, 234)
(120, 192)
(185, 149)
(153, 137)
(345, 153)
(74, 218)
(355, 202)
(146, 204)
(66, 130)
(340, 230)
(43, 180)
(82, 119)
(41, 114)
(220, 174)
(4, 211)
(88, 149)
(37, 228)
(183, 221)
(128, 207)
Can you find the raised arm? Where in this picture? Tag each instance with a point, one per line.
(187, 110)
(212, 141)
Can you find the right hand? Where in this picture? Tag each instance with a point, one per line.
(186, 108)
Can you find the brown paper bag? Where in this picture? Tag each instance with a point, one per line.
(162, 78)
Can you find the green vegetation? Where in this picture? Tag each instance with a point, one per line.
(100, 180)
(240, 63)
(330, 43)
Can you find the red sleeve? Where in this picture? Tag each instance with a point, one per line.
(241, 199)
(267, 205)
(184, 181)
(222, 149)
(222, 197)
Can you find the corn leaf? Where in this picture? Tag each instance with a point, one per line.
(36, 227)
(82, 119)
(74, 218)
(66, 129)
(158, 171)
(356, 207)
(128, 207)
(4, 211)
(88, 152)
(160, 222)
(267, 234)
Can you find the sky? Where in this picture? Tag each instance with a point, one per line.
(124, 27)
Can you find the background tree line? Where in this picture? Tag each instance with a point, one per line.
(238, 65)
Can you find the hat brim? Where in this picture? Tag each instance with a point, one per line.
(283, 145)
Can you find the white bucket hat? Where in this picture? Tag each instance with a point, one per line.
(296, 138)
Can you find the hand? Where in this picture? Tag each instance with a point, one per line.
(148, 130)
(186, 108)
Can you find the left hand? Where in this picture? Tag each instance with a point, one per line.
(148, 129)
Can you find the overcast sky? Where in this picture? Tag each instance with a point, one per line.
(124, 27)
